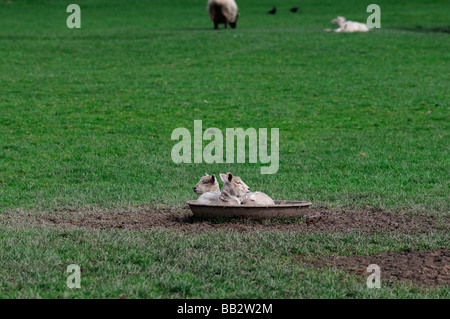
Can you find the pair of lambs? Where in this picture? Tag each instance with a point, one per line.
(234, 192)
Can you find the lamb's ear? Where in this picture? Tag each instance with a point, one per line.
(213, 178)
(223, 177)
(206, 174)
(230, 176)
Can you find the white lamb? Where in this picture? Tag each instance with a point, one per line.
(223, 11)
(207, 184)
(233, 190)
(208, 188)
(257, 199)
(348, 26)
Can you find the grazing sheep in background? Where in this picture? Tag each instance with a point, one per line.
(257, 198)
(233, 190)
(207, 184)
(348, 26)
(223, 11)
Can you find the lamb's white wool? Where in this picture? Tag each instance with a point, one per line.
(209, 198)
(348, 26)
(223, 11)
(257, 198)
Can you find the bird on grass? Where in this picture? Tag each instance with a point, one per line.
(273, 11)
(295, 9)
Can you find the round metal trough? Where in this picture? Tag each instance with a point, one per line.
(281, 209)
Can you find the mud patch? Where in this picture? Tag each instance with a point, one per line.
(315, 220)
(427, 268)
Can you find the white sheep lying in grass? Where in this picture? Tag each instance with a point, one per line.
(348, 26)
(208, 187)
(223, 11)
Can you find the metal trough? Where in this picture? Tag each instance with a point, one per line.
(281, 209)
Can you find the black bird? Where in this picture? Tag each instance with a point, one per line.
(295, 9)
(273, 11)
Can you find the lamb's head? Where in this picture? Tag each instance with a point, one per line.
(234, 185)
(234, 24)
(207, 184)
(339, 21)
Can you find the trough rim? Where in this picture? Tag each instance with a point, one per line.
(292, 204)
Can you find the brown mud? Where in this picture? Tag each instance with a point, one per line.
(423, 268)
(315, 220)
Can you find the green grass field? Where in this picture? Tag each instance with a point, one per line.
(86, 117)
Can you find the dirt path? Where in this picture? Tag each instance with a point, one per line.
(315, 220)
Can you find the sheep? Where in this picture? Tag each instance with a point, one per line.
(209, 198)
(208, 188)
(257, 198)
(207, 184)
(233, 190)
(348, 26)
(223, 11)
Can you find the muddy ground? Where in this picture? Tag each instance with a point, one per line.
(315, 220)
(423, 268)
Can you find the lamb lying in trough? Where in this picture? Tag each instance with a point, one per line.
(207, 184)
(348, 26)
(257, 198)
(208, 187)
(233, 191)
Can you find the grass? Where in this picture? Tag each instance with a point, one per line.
(169, 264)
(86, 118)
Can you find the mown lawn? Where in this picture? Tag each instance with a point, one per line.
(86, 118)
